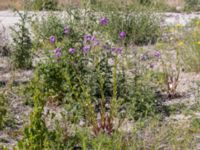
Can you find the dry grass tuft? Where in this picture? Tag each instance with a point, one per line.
(175, 3)
(69, 2)
(7, 4)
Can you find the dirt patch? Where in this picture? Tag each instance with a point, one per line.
(68, 2)
(175, 3)
(7, 4)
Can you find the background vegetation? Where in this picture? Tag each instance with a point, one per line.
(102, 75)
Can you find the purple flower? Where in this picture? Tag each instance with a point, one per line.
(113, 49)
(72, 50)
(93, 38)
(57, 52)
(117, 50)
(96, 42)
(104, 21)
(87, 38)
(66, 30)
(52, 39)
(86, 48)
(106, 46)
(144, 57)
(157, 54)
(151, 65)
(122, 35)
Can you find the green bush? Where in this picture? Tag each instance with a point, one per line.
(3, 110)
(142, 101)
(145, 104)
(36, 134)
(87, 72)
(145, 2)
(195, 124)
(22, 45)
(48, 26)
(192, 5)
(44, 5)
(141, 27)
(64, 78)
(131, 5)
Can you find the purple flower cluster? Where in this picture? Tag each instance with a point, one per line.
(151, 65)
(89, 41)
(117, 50)
(122, 35)
(87, 38)
(104, 21)
(96, 42)
(66, 30)
(86, 48)
(72, 50)
(57, 52)
(52, 39)
(106, 46)
(144, 57)
(157, 54)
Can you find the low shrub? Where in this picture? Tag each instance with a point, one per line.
(192, 5)
(36, 134)
(22, 45)
(85, 71)
(195, 124)
(44, 28)
(3, 110)
(144, 2)
(171, 60)
(140, 27)
(44, 5)
(142, 100)
(132, 5)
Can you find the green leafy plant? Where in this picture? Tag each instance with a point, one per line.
(195, 124)
(143, 82)
(36, 133)
(172, 69)
(132, 5)
(192, 5)
(48, 26)
(140, 27)
(44, 5)
(3, 110)
(145, 2)
(22, 44)
(87, 71)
